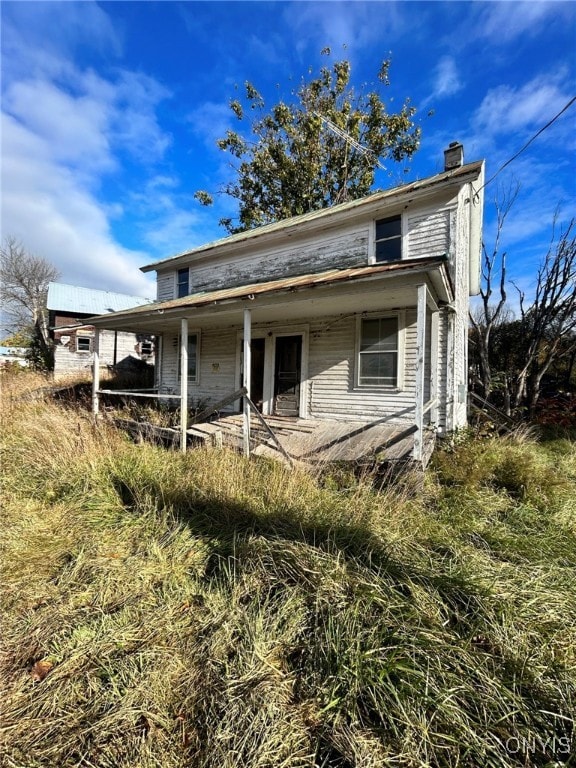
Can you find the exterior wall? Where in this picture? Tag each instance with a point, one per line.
(332, 371)
(330, 391)
(444, 397)
(458, 343)
(426, 233)
(68, 359)
(217, 372)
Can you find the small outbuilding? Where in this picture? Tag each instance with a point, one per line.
(69, 306)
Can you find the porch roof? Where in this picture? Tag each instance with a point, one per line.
(151, 316)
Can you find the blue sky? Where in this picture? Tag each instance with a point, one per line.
(110, 112)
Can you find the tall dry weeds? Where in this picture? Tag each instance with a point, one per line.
(204, 610)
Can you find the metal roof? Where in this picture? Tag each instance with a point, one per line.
(420, 187)
(287, 284)
(89, 301)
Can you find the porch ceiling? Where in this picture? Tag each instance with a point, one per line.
(381, 286)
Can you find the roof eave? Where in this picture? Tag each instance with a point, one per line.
(316, 219)
(435, 267)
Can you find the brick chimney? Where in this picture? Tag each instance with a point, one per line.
(453, 156)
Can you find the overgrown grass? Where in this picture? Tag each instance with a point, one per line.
(204, 610)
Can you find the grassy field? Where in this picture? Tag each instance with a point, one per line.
(206, 611)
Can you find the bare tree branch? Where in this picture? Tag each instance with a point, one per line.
(24, 282)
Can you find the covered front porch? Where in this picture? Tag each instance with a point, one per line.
(306, 400)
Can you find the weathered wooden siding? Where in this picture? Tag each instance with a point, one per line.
(344, 249)
(442, 370)
(217, 367)
(332, 368)
(330, 387)
(428, 234)
(165, 286)
(459, 362)
(68, 360)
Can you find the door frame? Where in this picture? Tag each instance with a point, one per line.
(270, 334)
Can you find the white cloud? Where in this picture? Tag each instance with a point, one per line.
(337, 24)
(502, 22)
(447, 78)
(446, 81)
(55, 216)
(211, 120)
(506, 109)
(66, 132)
(43, 37)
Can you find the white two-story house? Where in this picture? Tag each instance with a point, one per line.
(355, 314)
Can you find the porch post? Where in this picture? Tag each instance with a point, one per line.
(158, 354)
(183, 382)
(246, 379)
(96, 374)
(420, 371)
(434, 346)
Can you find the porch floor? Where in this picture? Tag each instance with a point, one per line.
(316, 441)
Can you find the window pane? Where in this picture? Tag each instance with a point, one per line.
(183, 287)
(389, 250)
(390, 227)
(379, 369)
(379, 334)
(192, 350)
(378, 358)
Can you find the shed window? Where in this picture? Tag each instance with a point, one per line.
(183, 282)
(378, 352)
(146, 348)
(389, 239)
(83, 343)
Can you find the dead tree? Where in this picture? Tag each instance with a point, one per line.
(493, 279)
(549, 322)
(24, 282)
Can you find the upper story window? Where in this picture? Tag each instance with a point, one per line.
(183, 287)
(388, 239)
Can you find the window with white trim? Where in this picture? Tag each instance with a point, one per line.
(378, 352)
(83, 343)
(193, 356)
(146, 348)
(183, 283)
(388, 239)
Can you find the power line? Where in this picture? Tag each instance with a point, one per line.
(544, 127)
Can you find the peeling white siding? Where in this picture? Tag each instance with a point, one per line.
(165, 286)
(217, 369)
(332, 367)
(341, 250)
(68, 360)
(428, 234)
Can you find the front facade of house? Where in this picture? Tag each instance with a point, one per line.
(357, 312)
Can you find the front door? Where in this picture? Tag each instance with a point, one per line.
(287, 373)
(257, 372)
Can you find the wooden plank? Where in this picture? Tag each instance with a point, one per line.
(136, 394)
(203, 415)
(420, 369)
(183, 382)
(267, 428)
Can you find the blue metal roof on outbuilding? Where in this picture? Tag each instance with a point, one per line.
(89, 301)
